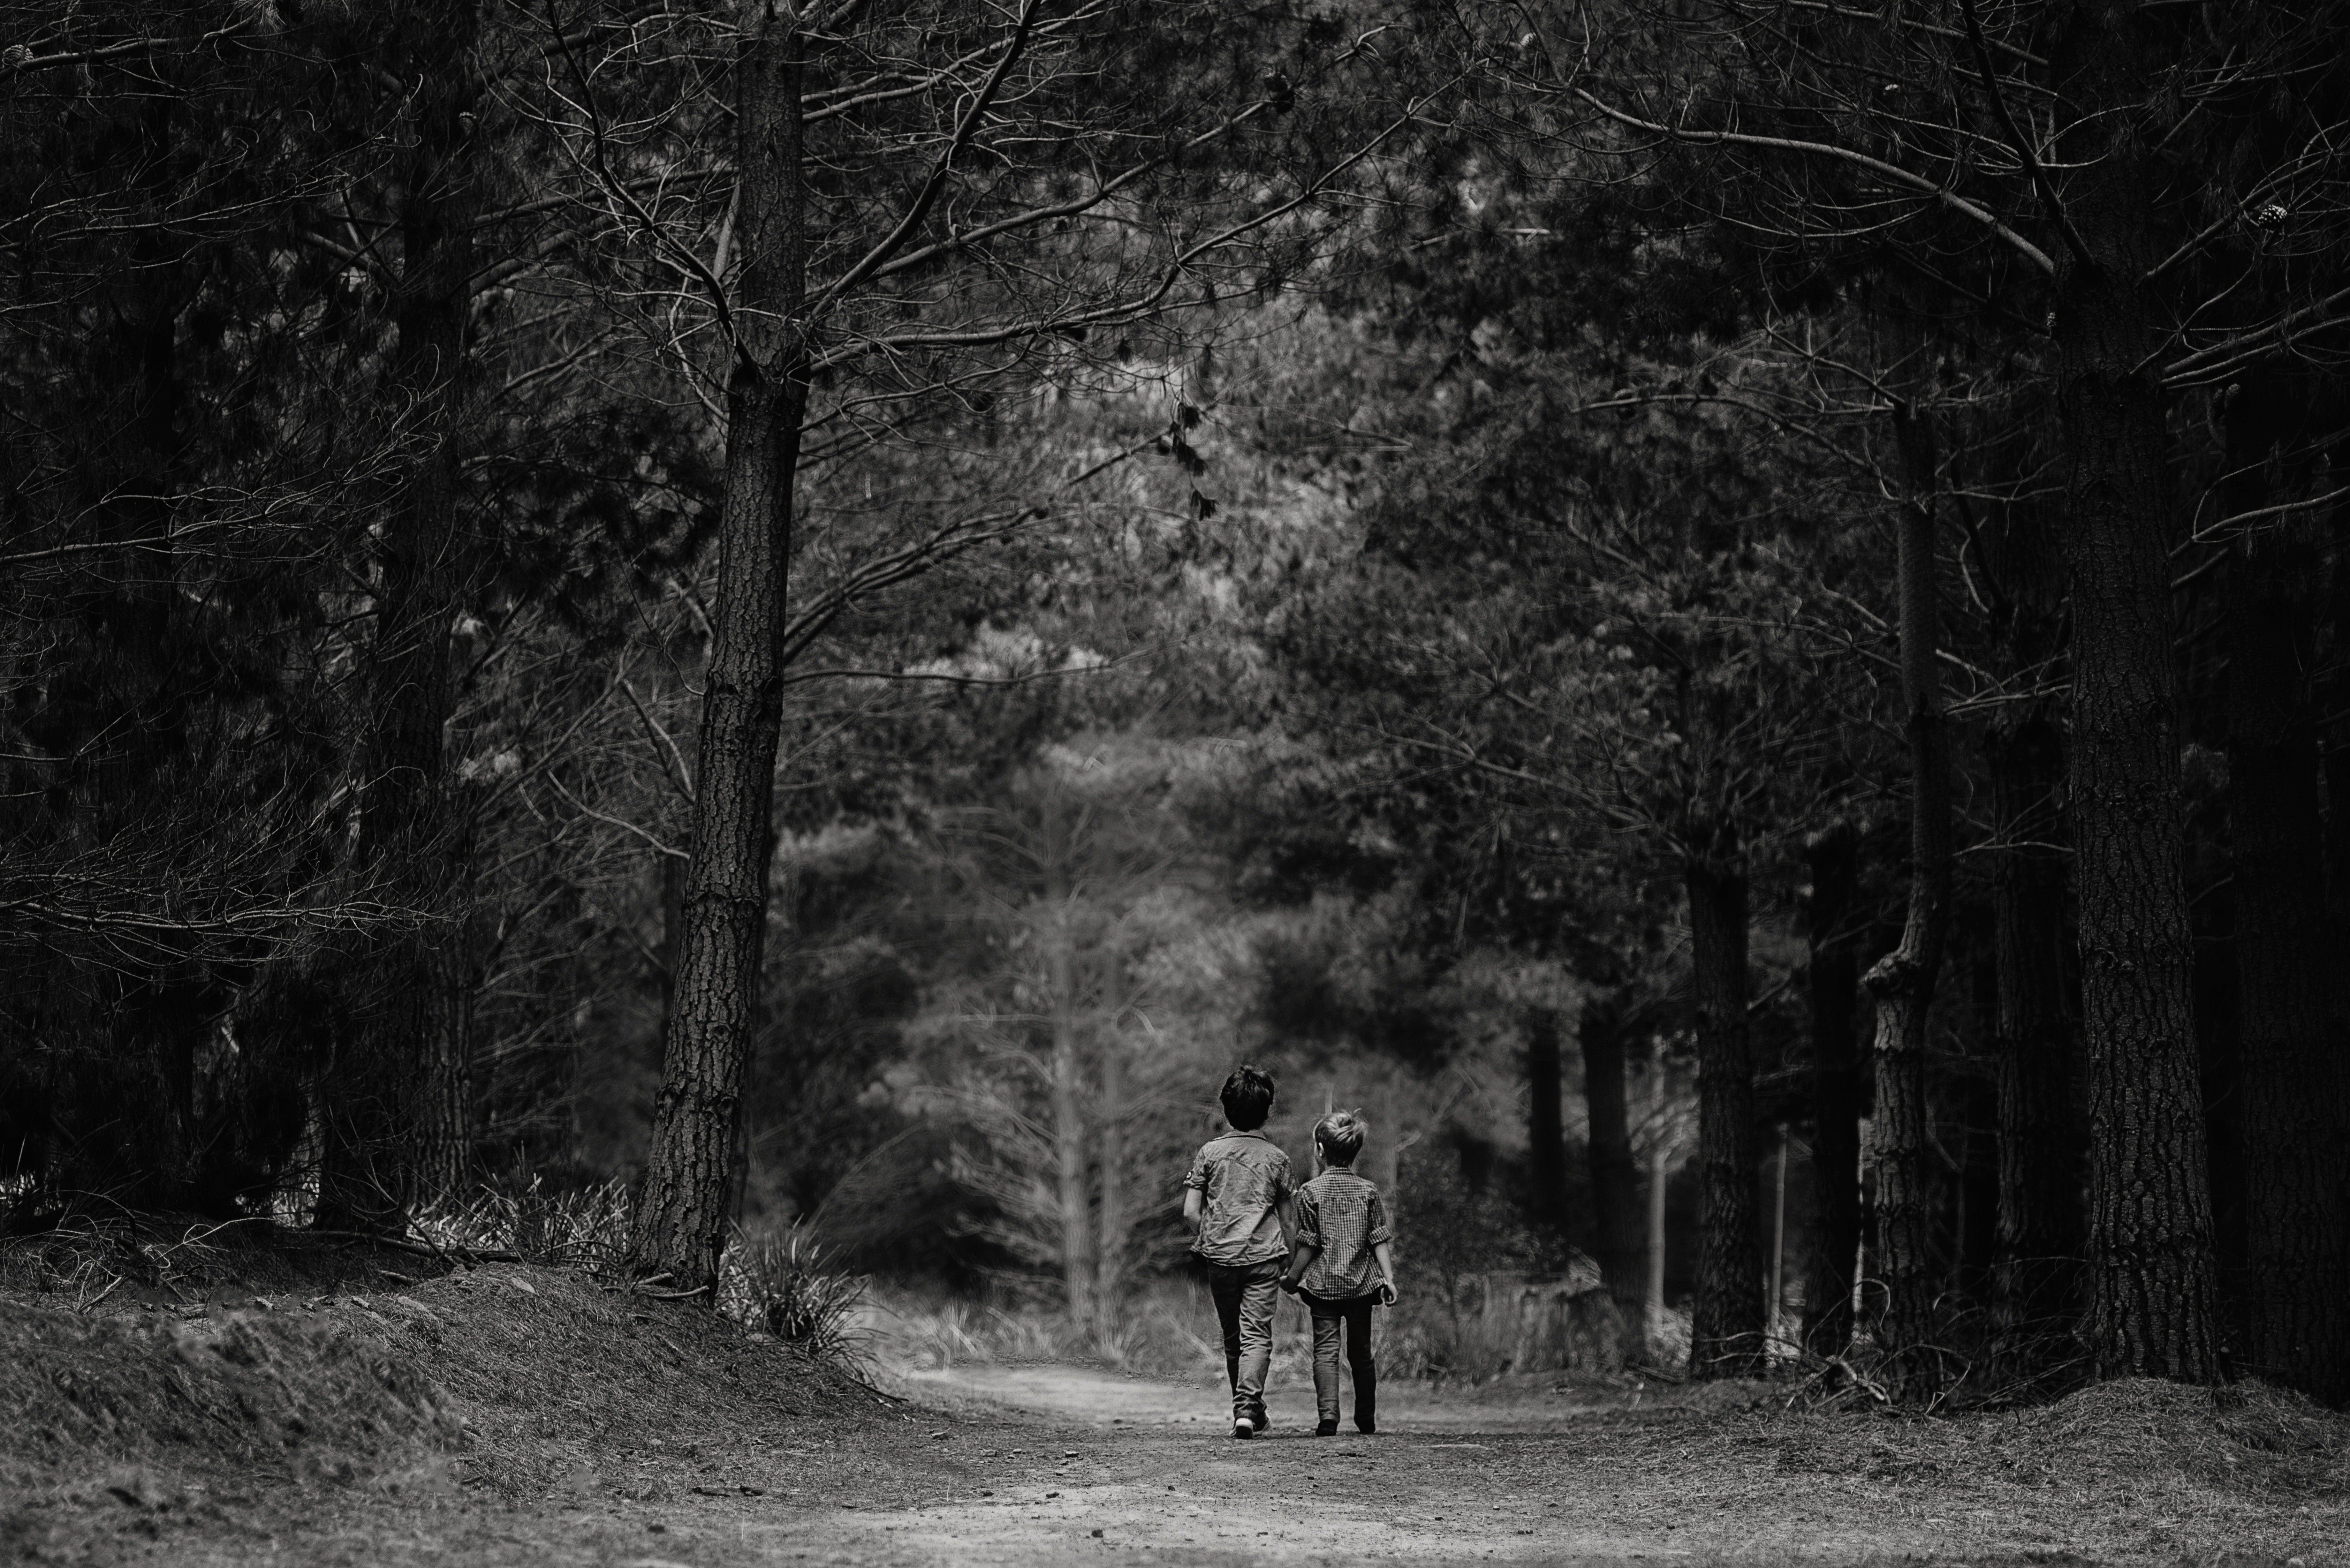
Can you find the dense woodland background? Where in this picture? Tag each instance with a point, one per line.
(1729, 616)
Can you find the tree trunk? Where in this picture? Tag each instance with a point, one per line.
(1726, 1329)
(1546, 1124)
(2043, 1149)
(2290, 1112)
(1614, 1177)
(2335, 746)
(1903, 981)
(1653, 1294)
(2154, 1291)
(681, 1204)
(443, 1126)
(396, 1077)
(1834, 971)
(1659, 1190)
(1109, 1270)
(2336, 742)
(1067, 1085)
(2042, 1226)
(1388, 1140)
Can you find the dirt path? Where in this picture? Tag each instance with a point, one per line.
(609, 1432)
(1056, 1465)
(1106, 1399)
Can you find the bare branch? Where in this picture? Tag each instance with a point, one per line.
(1894, 171)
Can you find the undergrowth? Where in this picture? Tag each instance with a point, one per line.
(784, 1285)
(1167, 1328)
(91, 1256)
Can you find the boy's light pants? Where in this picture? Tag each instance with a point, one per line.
(1245, 1296)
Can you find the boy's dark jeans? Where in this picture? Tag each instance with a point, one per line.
(1354, 1315)
(1244, 1295)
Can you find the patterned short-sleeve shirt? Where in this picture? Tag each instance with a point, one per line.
(1341, 1214)
(1241, 1179)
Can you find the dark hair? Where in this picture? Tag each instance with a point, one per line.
(1341, 1134)
(1247, 1096)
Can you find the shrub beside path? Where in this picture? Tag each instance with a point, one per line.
(522, 1415)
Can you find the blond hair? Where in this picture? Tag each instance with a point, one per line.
(1340, 1135)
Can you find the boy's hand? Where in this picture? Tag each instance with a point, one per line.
(1386, 1294)
(1288, 1284)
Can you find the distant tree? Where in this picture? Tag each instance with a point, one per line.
(1838, 1093)
(1903, 980)
(1069, 873)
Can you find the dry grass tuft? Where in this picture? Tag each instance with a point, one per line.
(784, 1285)
(584, 1228)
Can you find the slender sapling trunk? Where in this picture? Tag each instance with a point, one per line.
(1903, 980)
(682, 1201)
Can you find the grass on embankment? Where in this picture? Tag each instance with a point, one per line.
(229, 1407)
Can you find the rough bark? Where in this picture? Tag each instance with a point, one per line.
(398, 1078)
(443, 1118)
(1546, 1124)
(1903, 980)
(1615, 1176)
(1834, 973)
(682, 1201)
(2153, 1284)
(1726, 1329)
(2294, 1154)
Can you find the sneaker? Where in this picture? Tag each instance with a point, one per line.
(1243, 1427)
(1367, 1427)
(1257, 1415)
(1326, 1429)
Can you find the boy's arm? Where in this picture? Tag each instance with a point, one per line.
(1195, 1191)
(1302, 1254)
(1303, 1241)
(1384, 1253)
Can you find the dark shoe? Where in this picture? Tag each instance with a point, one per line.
(1256, 1414)
(1367, 1427)
(1243, 1427)
(1326, 1429)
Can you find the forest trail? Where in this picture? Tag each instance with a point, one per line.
(1107, 1398)
(600, 1433)
(1057, 1466)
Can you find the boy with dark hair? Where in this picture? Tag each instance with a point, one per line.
(1236, 1203)
(1342, 1267)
